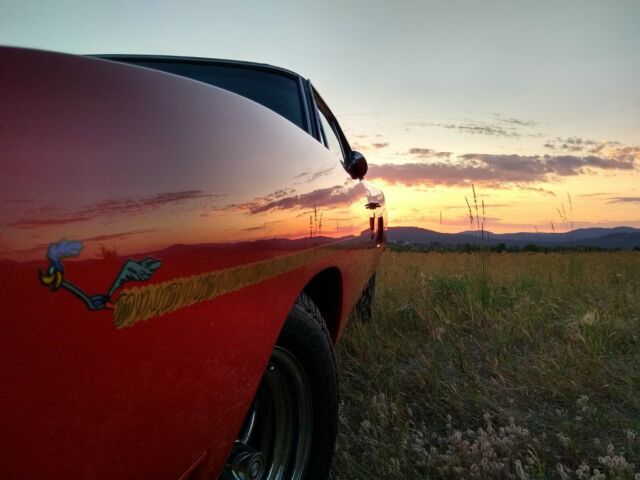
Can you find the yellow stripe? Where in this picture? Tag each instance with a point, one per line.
(141, 303)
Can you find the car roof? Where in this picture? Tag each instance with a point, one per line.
(133, 58)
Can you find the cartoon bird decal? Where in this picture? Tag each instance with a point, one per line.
(56, 252)
(132, 270)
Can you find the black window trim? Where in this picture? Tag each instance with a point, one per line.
(316, 126)
(321, 106)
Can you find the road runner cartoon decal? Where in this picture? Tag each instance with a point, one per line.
(140, 303)
(132, 270)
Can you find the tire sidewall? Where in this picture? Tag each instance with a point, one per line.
(306, 337)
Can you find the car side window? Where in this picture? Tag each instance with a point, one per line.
(330, 138)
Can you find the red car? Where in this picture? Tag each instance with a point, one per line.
(181, 243)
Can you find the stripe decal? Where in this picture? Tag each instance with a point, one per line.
(142, 303)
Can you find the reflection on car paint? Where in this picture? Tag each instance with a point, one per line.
(230, 196)
(137, 270)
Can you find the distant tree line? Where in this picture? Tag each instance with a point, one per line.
(497, 248)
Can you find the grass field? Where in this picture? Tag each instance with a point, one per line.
(494, 366)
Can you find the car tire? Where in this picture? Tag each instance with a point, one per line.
(364, 307)
(290, 430)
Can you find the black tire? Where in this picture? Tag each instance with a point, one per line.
(364, 307)
(295, 410)
(306, 336)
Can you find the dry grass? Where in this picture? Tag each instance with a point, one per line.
(495, 366)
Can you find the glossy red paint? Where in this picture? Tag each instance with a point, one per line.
(137, 163)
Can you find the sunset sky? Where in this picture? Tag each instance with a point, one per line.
(535, 103)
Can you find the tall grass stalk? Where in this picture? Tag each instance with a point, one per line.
(477, 221)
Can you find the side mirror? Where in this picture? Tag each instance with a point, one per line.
(356, 165)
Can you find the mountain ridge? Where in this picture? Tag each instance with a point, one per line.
(625, 238)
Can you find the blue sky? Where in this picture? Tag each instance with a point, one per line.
(465, 77)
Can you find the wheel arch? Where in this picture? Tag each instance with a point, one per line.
(326, 290)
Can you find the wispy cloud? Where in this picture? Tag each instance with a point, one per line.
(324, 197)
(498, 126)
(36, 222)
(608, 148)
(306, 177)
(572, 144)
(531, 188)
(465, 207)
(367, 143)
(515, 121)
(119, 236)
(481, 128)
(58, 215)
(427, 153)
(496, 169)
(128, 205)
(624, 200)
(264, 226)
(596, 194)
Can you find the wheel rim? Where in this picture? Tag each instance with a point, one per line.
(275, 440)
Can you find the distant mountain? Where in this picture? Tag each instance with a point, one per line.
(422, 235)
(624, 238)
(572, 236)
(622, 241)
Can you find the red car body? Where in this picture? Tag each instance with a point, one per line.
(240, 209)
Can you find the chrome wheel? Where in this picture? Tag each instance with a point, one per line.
(275, 440)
